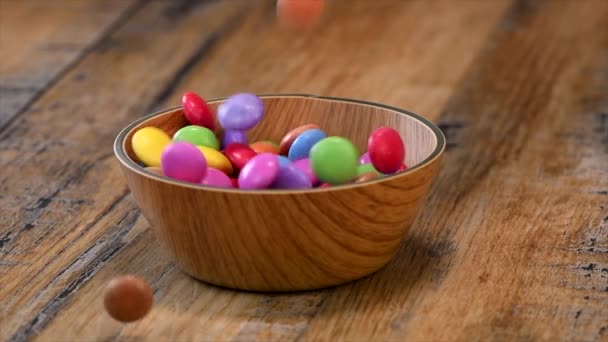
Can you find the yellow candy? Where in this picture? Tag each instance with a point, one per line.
(148, 144)
(216, 159)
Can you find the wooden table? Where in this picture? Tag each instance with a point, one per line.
(512, 243)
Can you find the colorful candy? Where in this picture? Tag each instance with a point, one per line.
(197, 135)
(128, 298)
(300, 14)
(216, 159)
(304, 142)
(289, 138)
(216, 178)
(259, 172)
(231, 137)
(290, 177)
(240, 112)
(307, 156)
(183, 161)
(364, 168)
(364, 159)
(264, 146)
(148, 144)
(239, 154)
(386, 150)
(304, 166)
(197, 111)
(334, 160)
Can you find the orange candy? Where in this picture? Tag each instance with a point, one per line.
(264, 147)
(300, 14)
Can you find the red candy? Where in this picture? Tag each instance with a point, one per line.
(235, 182)
(239, 154)
(403, 167)
(386, 150)
(197, 111)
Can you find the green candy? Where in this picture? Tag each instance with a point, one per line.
(364, 168)
(197, 135)
(334, 160)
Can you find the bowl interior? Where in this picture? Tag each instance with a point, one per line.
(351, 119)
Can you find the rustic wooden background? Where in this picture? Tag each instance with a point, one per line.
(512, 243)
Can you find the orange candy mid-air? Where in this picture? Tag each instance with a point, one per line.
(300, 14)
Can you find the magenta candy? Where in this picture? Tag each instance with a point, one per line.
(230, 137)
(290, 177)
(304, 166)
(216, 178)
(259, 172)
(364, 159)
(183, 161)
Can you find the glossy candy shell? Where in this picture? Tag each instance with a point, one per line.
(386, 149)
(300, 148)
(240, 112)
(260, 172)
(148, 144)
(197, 111)
(183, 161)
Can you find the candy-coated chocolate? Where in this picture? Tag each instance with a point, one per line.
(184, 161)
(290, 177)
(148, 144)
(324, 185)
(289, 138)
(264, 147)
(216, 159)
(284, 160)
(364, 159)
(300, 14)
(240, 112)
(197, 111)
(128, 298)
(155, 169)
(304, 165)
(235, 182)
(259, 172)
(366, 176)
(363, 168)
(231, 137)
(334, 160)
(239, 154)
(216, 178)
(386, 149)
(403, 167)
(197, 135)
(300, 148)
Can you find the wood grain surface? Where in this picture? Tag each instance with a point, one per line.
(511, 244)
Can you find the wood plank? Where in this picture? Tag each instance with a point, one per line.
(187, 309)
(40, 40)
(64, 205)
(513, 242)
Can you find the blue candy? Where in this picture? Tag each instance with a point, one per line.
(283, 160)
(300, 148)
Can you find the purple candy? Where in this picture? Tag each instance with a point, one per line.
(259, 172)
(229, 137)
(364, 159)
(216, 178)
(304, 166)
(290, 177)
(240, 112)
(184, 161)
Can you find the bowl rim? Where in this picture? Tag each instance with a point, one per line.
(121, 155)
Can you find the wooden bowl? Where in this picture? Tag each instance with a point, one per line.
(287, 240)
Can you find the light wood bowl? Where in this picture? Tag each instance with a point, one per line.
(286, 240)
